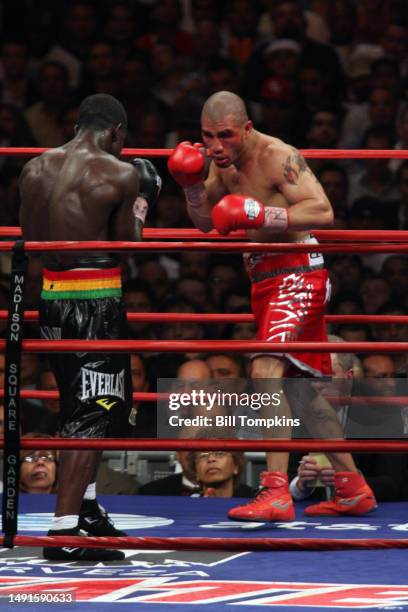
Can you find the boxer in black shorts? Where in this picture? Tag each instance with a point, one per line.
(82, 191)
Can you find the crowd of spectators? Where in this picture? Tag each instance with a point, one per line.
(321, 74)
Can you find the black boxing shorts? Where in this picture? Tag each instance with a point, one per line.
(95, 388)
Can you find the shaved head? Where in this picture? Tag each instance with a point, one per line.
(222, 104)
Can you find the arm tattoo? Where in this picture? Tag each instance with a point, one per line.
(294, 165)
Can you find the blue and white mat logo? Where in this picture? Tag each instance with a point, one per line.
(41, 521)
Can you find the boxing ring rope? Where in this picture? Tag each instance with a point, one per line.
(205, 247)
(170, 444)
(194, 234)
(151, 396)
(31, 316)
(205, 346)
(228, 544)
(154, 397)
(307, 153)
(236, 544)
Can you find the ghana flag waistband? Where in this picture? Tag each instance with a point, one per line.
(77, 284)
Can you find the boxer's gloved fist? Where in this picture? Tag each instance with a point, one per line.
(150, 182)
(235, 212)
(150, 185)
(187, 164)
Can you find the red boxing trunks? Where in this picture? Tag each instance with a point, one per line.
(288, 297)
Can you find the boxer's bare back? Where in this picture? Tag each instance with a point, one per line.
(78, 192)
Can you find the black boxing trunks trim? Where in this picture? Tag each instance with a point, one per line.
(77, 284)
(257, 278)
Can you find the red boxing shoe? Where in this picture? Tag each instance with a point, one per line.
(273, 502)
(353, 497)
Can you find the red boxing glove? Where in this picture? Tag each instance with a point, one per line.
(235, 212)
(186, 164)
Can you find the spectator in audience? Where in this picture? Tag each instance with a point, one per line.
(395, 270)
(282, 58)
(284, 17)
(238, 301)
(100, 74)
(38, 469)
(42, 117)
(222, 75)
(194, 290)
(16, 85)
(335, 182)
(402, 143)
(375, 179)
(77, 32)
(369, 213)
(194, 264)
(222, 279)
(350, 271)
(219, 472)
(380, 111)
(119, 30)
(393, 332)
(354, 332)
(386, 74)
(154, 275)
(240, 36)
(226, 365)
(323, 133)
(182, 482)
(395, 45)
(276, 108)
(137, 297)
(341, 21)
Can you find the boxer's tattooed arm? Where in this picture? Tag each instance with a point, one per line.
(276, 217)
(294, 165)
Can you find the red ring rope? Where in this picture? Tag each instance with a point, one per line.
(31, 316)
(205, 346)
(351, 400)
(194, 234)
(308, 153)
(303, 445)
(206, 247)
(228, 544)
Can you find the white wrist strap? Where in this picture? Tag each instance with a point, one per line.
(140, 208)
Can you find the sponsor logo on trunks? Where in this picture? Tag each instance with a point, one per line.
(105, 403)
(100, 383)
(252, 208)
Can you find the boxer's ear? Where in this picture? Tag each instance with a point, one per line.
(115, 132)
(76, 128)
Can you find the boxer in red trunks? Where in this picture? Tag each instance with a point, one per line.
(261, 184)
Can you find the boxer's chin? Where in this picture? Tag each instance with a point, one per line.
(223, 162)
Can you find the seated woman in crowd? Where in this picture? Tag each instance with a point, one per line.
(38, 469)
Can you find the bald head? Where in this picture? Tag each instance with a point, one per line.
(222, 104)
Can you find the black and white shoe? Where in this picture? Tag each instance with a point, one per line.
(69, 553)
(94, 519)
